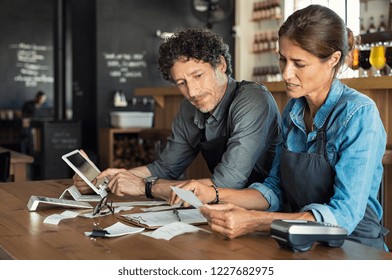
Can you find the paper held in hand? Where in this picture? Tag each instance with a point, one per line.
(187, 196)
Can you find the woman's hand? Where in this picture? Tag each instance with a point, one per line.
(206, 193)
(233, 221)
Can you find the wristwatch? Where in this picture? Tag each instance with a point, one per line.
(149, 181)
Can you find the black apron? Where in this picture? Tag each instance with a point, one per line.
(309, 178)
(213, 150)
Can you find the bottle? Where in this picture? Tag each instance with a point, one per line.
(278, 9)
(372, 27)
(117, 99)
(362, 29)
(382, 26)
(123, 99)
(254, 12)
(256, 43)
(355, 58)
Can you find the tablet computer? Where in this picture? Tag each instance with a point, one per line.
(87, 170)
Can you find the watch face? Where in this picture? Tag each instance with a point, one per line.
(151, 179)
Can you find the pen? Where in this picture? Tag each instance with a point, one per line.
(175, 211)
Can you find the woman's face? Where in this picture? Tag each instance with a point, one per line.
(304, 73)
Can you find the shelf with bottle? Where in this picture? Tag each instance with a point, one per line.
(372, 27)
(269, 73)
(265, 41)
(368, 38)
(266, 10)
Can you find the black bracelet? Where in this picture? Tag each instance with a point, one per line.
(216, 193)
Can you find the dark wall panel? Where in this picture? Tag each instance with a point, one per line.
(26, 51)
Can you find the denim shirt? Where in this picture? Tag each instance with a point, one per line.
(356, 142)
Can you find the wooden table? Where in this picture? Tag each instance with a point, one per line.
(24, 236)
(19, 162)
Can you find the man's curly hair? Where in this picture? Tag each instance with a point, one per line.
(197, 43)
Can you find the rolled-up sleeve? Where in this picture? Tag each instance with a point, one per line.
(321, 213)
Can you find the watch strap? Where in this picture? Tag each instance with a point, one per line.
(148, 187)
(149, 181)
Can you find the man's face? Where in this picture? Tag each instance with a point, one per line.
(200, 83)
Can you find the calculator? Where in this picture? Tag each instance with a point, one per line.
(40, 202)
(300, 235)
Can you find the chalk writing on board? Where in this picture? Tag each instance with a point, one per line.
(63, 140)
(123, 66)
(31, 60)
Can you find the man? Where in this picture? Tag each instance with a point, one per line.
(30, 108)
(234, 125)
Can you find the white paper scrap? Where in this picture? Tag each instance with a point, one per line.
(187, 196)
(169, 231)
(119, 229)
(55, 219)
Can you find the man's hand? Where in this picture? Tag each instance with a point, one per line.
(123, 182)
(81, 185)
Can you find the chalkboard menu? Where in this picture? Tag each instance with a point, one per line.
(26, 51)
(125, 66)
(32, 65)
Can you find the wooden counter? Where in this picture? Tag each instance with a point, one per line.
(24, 236)
(19, 163)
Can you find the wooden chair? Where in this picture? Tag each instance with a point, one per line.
(5, 159)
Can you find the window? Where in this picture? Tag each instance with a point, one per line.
(340, 7)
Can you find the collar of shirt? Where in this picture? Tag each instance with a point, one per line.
(221, 110)
(333, 97)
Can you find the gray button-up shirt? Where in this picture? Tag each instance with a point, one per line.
(249, 118)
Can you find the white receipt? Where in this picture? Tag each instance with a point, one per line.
(55, 219)
(167, 232)
(187, 196)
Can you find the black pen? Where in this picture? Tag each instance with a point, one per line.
(175, 211)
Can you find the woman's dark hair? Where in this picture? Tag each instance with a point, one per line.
(193, 43)
(320, 31)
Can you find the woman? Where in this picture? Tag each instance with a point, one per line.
(329, 166)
